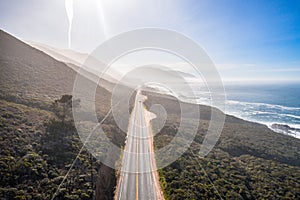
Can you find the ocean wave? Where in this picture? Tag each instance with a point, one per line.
(274, 114)
(263, 104)
(267, 114)
(258, 112)
(263, 113)
(293, 133)
(286, 129)
(289, 115)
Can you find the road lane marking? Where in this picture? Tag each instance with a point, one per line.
(138, 132)
(137, 167)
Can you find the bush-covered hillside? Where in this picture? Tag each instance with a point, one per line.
(37, 149)
(36, 153)
(249, 161)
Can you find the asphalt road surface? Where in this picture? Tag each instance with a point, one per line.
(136, 178)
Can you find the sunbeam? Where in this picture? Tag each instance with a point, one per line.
(102, 18)
(70, 13)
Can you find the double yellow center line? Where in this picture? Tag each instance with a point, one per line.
(137, 164)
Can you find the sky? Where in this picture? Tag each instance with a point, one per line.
(254, 41)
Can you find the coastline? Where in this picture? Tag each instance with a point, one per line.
(289, 129)
(269, 125)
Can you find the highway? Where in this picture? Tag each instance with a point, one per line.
(137, 179)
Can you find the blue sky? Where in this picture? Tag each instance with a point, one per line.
(248, 40)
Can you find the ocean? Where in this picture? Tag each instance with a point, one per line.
(275, 105)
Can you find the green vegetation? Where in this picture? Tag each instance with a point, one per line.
(36, 152)
(38, 139)
(38, 148)
(39, 142)
(249, 161)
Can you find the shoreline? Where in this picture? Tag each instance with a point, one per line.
(269, 125)
(288, 129)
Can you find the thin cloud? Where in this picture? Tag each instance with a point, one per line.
(276, 70)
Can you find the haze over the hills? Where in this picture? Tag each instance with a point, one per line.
(253, 41)
(28, 74)
(77, 60)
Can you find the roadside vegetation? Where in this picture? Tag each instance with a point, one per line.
(39, 146)
(37, 149)
(249, 161)
(38, 139)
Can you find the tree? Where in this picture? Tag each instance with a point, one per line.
(63, 107)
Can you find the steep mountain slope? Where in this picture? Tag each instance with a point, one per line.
(30, 73)
(31, 76)
(37, 148)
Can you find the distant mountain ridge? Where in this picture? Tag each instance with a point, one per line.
(76, 60)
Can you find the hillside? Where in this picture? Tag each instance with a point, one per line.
(31, 77)
(27, 73)
(250, 161)
(37, 148)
